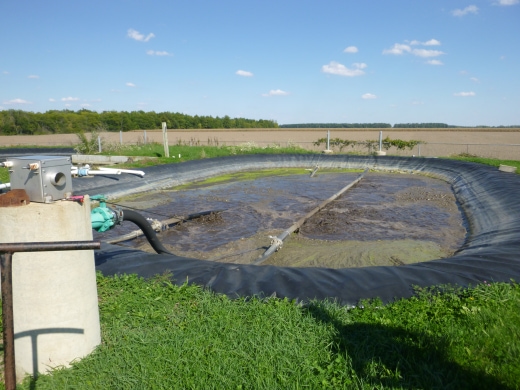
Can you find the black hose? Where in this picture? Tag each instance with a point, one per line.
(144, 225)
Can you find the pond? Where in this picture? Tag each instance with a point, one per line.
(386, 219)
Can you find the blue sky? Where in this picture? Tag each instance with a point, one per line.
(293, 61)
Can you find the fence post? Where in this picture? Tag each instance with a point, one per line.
(165, 140)
(121, 137)
(145, 137)
(99, 143)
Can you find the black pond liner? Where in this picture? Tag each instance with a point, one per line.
(489, 198)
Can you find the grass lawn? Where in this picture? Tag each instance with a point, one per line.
(160, 336)
(156, 335)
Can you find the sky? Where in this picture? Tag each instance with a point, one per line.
(291, 61)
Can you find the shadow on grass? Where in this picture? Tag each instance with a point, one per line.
(386, 356)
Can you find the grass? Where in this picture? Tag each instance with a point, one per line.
(160, 336)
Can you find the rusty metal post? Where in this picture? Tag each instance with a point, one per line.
(7, 320)
(6, 257)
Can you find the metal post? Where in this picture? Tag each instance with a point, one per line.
(99, 143)
(6, 256)
(380, 140)
(7, 318)
(328, 139)
(120, 137)
(145, 137)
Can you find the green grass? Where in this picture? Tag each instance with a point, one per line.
(494, 162)
(160, 336)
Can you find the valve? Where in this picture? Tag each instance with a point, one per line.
(104, 218)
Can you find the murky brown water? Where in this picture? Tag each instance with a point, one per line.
(386, 219)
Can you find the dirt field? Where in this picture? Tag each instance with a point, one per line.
(493, 143)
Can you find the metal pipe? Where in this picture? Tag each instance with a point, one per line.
(6, 256)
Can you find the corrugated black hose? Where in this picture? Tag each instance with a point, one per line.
(144, 225)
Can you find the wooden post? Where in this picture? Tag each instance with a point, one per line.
(165, 140)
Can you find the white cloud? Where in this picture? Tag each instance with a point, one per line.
(130, 85)
(507, 2)
(86, 105)
(464, 94)
(434, 62)
(17, 101)
(401, 48)
(52, 100)
(244, 73)
(470, 9)
(474, 79)
(134, 34)
(431, 42)
(368, 96)
(351, 49)
(276, 92)
(158, 53)
(69, 99)
(398, 49)
(426, 53)
(33, 76)
(341, 70)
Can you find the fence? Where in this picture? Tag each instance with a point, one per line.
(305, 140)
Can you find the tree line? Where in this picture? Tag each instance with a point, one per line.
(13, 122)
(383, 126)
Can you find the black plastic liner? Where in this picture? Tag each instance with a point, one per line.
(489, 198)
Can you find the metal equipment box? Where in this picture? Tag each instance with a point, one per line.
(44, 178)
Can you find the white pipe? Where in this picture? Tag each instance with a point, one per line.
(129, 171)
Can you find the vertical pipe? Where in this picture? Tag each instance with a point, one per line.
(145, 137)
(328, 139)
(99, 143)
(419, 149)
(380, 140)
(8, 322)
(121, 137)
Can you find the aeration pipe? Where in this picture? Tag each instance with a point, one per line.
(277, 242)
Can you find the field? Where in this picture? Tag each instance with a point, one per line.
(491, 143)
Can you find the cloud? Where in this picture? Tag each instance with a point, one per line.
(244, 73)
(431, 42)
(276, 92)
(134, 34)
(401, 48)
(341, 70)
(17, 101)
(33, 76)
(86, 105)
(52, 100)
(69, 99)
(474, 79)
(130, 85)
(426, 53)
(507, 2)
(158, 53)
(434, 62)
(368, 96)
(398, 49)
(470, 9)
(464, 94)
(351, 49)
